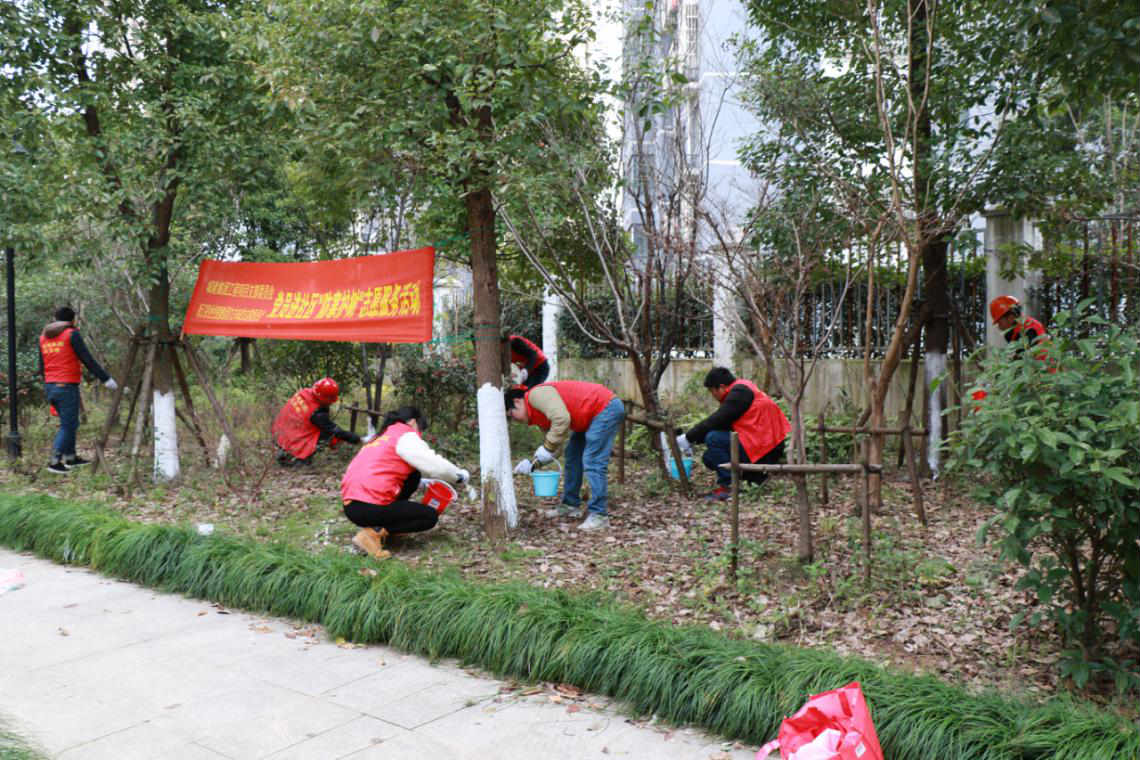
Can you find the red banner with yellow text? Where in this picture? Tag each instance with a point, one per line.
(370, 299)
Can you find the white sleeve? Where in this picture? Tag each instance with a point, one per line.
(415, 451)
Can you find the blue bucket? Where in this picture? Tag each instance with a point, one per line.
(685, 462)
(545, 483)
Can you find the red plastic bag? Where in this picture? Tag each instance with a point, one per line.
(834, 725)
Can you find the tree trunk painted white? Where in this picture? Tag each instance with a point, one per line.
(495, 452)
(223, 453)
(551, 308)
(724, 339)
(166, 466)
(935, 367)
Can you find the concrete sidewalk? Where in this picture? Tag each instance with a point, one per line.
(97, 668)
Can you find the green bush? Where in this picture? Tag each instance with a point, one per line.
(443, 387)
(1062, 454)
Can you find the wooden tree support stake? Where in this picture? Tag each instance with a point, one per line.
(196, 365)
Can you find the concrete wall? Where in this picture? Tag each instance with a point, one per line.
(829, 381)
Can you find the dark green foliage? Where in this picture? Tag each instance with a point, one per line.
(1063, 455)
(739, 689)
(443, 387)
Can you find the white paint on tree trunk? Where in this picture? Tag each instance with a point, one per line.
(223, 454)
(551, 308)
(724, 339)
(165, 437)
(935, 367)
(495, 450)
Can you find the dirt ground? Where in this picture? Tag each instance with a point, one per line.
(937, 602)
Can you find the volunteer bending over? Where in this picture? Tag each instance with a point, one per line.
(378, 485)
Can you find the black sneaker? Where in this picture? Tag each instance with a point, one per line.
(76, 462)
(59, 468)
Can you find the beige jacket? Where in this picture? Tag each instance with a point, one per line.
(545, 399)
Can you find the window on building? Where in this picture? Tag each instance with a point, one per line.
(692, 32)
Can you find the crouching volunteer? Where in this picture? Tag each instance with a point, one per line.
(378, 485)
(304, 425)
(584, 416)
(1020, 329)
(752, 415)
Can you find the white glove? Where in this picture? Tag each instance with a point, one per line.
(462, 477)
(542, 456)
(522, 375)
(684, 445)
(367, 438)
(524, 467)
(110, 383)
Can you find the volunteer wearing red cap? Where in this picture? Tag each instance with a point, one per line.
(303, 425)
(1006, 313)
(1007, 317)
(378, 485)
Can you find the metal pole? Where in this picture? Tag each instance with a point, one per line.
(14, 447)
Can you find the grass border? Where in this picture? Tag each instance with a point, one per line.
(687, 675)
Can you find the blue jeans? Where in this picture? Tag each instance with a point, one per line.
(718, 451)
(65, 398)
(590, 451)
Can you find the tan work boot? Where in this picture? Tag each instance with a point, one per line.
(372, 542)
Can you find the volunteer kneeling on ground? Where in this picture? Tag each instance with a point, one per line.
(584, 416)
(752, 415)
(303, 425)
(380, 480)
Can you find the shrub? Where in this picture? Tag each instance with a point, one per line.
(1062, 452)
(443, 387)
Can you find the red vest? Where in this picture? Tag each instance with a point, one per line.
(377, 473)
(583, 400)
(292, 429)
(61, 365)
(521, 360)
(763, 426)
(1041, 342)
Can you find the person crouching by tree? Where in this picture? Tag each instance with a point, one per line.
(303, 425)
(752, 415)
(533, 368)
(378, 485)
(1007, 315)
(584, 416)
(62, 350)
(1020, 329)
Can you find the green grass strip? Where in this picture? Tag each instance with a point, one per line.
(687, 675)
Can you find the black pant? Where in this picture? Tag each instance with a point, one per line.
(541, 372)
(401, 516)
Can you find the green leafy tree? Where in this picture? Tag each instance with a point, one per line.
(146, 113)
(441, 99)
(1057, 442)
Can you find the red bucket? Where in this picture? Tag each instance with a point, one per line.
(438, 495)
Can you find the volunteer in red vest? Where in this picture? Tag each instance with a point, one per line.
(755, 418)
(585, 417)
(533, 368)
(62, 350)
(378, 485)
(1007, 315)
(304, 425)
